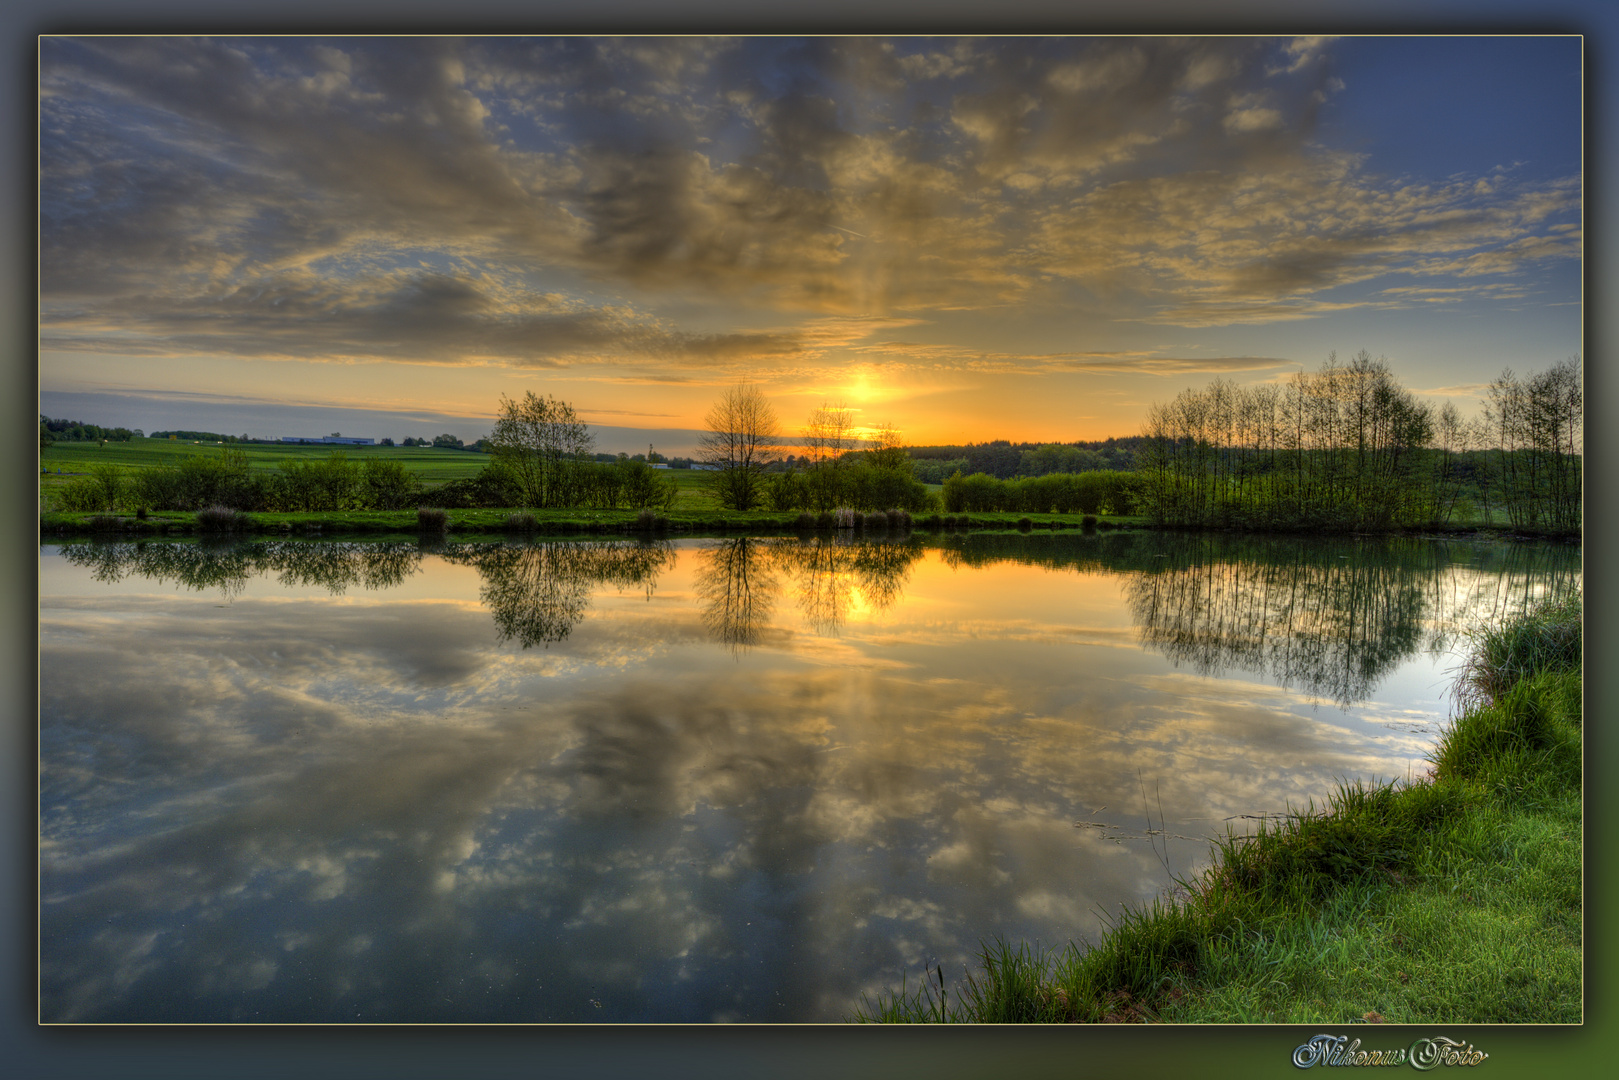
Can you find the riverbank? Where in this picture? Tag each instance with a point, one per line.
(630, 522)
(1453, 899)
(544, 522)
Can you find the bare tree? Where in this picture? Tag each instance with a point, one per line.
(827, 436)
(741, 434)
(888, 450)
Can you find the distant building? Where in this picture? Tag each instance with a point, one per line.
(340, 440)
(660, 464)
(706, 468)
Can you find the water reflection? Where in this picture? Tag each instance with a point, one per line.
(228, 566)
(537, 593)
(744, 799)
(737, 586)
(1330, 617)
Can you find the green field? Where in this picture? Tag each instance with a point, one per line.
(64, 460)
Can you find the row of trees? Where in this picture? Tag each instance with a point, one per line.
(1538, 428)
(1056, 493)
(334, 483)
(53, 431)
(743, 435)
(1348, 447)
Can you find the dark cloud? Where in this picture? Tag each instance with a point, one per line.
(432, 199)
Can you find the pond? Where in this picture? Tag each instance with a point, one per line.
(699, 780)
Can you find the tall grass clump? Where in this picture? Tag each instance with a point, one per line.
(650, 520)
(521, 523)
(1547, 637)
(432, 519)
(221, 519)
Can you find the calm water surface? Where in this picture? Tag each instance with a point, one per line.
(689, 781)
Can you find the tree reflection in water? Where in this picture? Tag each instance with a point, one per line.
(827, 571)
(228, 566)
(737, 587)
(1330, 617)
(538, 592)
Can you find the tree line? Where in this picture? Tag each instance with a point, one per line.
(1347, 447)
(54, 431)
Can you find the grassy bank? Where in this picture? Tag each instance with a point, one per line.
(1453, 899)
(546, 522)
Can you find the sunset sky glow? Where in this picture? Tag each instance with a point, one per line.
(1025, 238)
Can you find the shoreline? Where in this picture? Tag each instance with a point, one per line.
(1454, 898)
(554, 523)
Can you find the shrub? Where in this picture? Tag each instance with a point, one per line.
(388, 485)
(81, 495)
(432, 519)
(805, 522)
(113, 485)
(106, 523)
(876, 521)
(786, 491)
(219, 519)
(650, 521)
(899, 519)
(826, 520)
(1088, 521)
(1024, 524)
(522, 523)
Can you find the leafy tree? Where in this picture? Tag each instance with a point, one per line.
(545, 446)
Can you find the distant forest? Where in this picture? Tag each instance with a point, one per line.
(77, 431)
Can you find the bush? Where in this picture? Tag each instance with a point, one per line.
(220, 519)
(388, 485)
(315, 486)
(786, 491)
(432, 519)
(1088, 521)
(521, 523)
(876, 521)
(1024, 524)
(805, 522)
(112, 483)
(81, 495)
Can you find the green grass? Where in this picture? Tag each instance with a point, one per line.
(1454, 899)
(691, 515)
(434, 465)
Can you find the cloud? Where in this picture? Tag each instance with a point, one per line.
(564, 202)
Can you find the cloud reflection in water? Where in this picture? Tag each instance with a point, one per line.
(698, 803)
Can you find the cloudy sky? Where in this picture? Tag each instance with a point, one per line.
(1026, 238)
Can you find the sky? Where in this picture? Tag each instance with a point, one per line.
(1033, 238)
